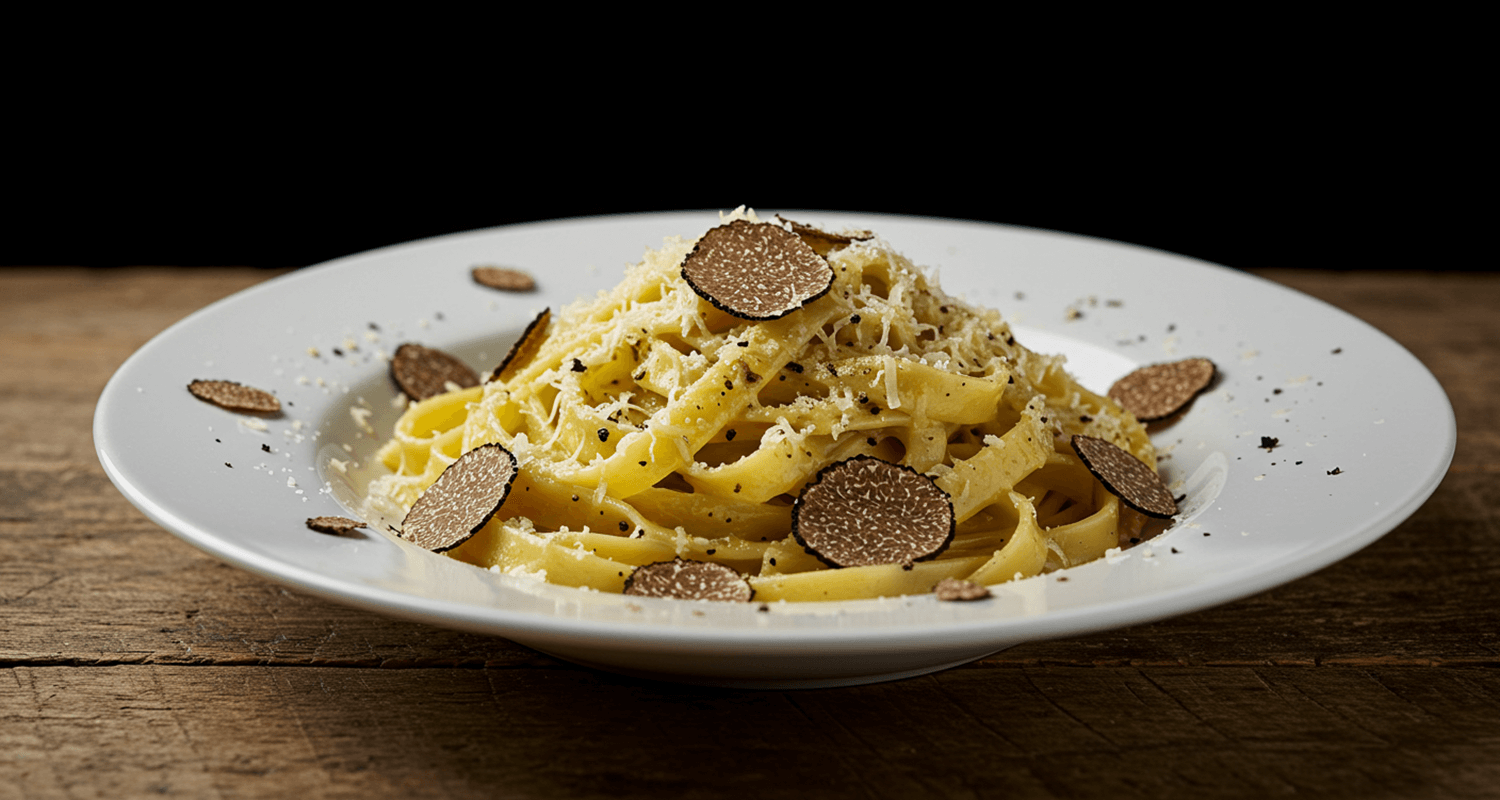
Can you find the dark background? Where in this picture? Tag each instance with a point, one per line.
(1313, 141)
(296, 206)
(150, 169)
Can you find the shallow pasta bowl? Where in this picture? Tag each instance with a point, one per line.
(1320, 435)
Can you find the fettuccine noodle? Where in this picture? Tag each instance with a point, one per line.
(650, 425)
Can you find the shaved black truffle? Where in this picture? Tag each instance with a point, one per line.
(1125, 476)
(1161, 390)
(818, 235)
(864, 511)
(680, 579)
(525, 347)
(424, 372)
(756, 271)
(462, 500)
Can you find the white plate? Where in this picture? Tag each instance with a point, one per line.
(1338, 396)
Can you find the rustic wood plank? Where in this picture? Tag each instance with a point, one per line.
(975, 732)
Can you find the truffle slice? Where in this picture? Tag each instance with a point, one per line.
(423, 372)
(506, 279)
(950, 589)
(235, 396)
(756, 271)
(680, 579)
(1125, 476)
(864, 511)
(819, 235)
(525, 347)
(462, 500)
(1161, 390)
(338, 526)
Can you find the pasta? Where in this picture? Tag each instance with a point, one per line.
(649, 424)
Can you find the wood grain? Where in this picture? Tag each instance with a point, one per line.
(567, 732)
(133, 665)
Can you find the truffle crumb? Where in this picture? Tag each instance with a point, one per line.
(235, 396)
(950, 589)
(337, 526)
(506, 279)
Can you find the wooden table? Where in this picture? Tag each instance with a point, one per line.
(137, 666)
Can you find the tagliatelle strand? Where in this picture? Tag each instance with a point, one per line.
(649, 425)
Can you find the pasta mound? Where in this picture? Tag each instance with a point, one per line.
(650, 425)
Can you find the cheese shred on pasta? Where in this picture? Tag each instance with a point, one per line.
(651, 425)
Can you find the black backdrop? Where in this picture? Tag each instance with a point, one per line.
(276, 142)
(293, 191)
